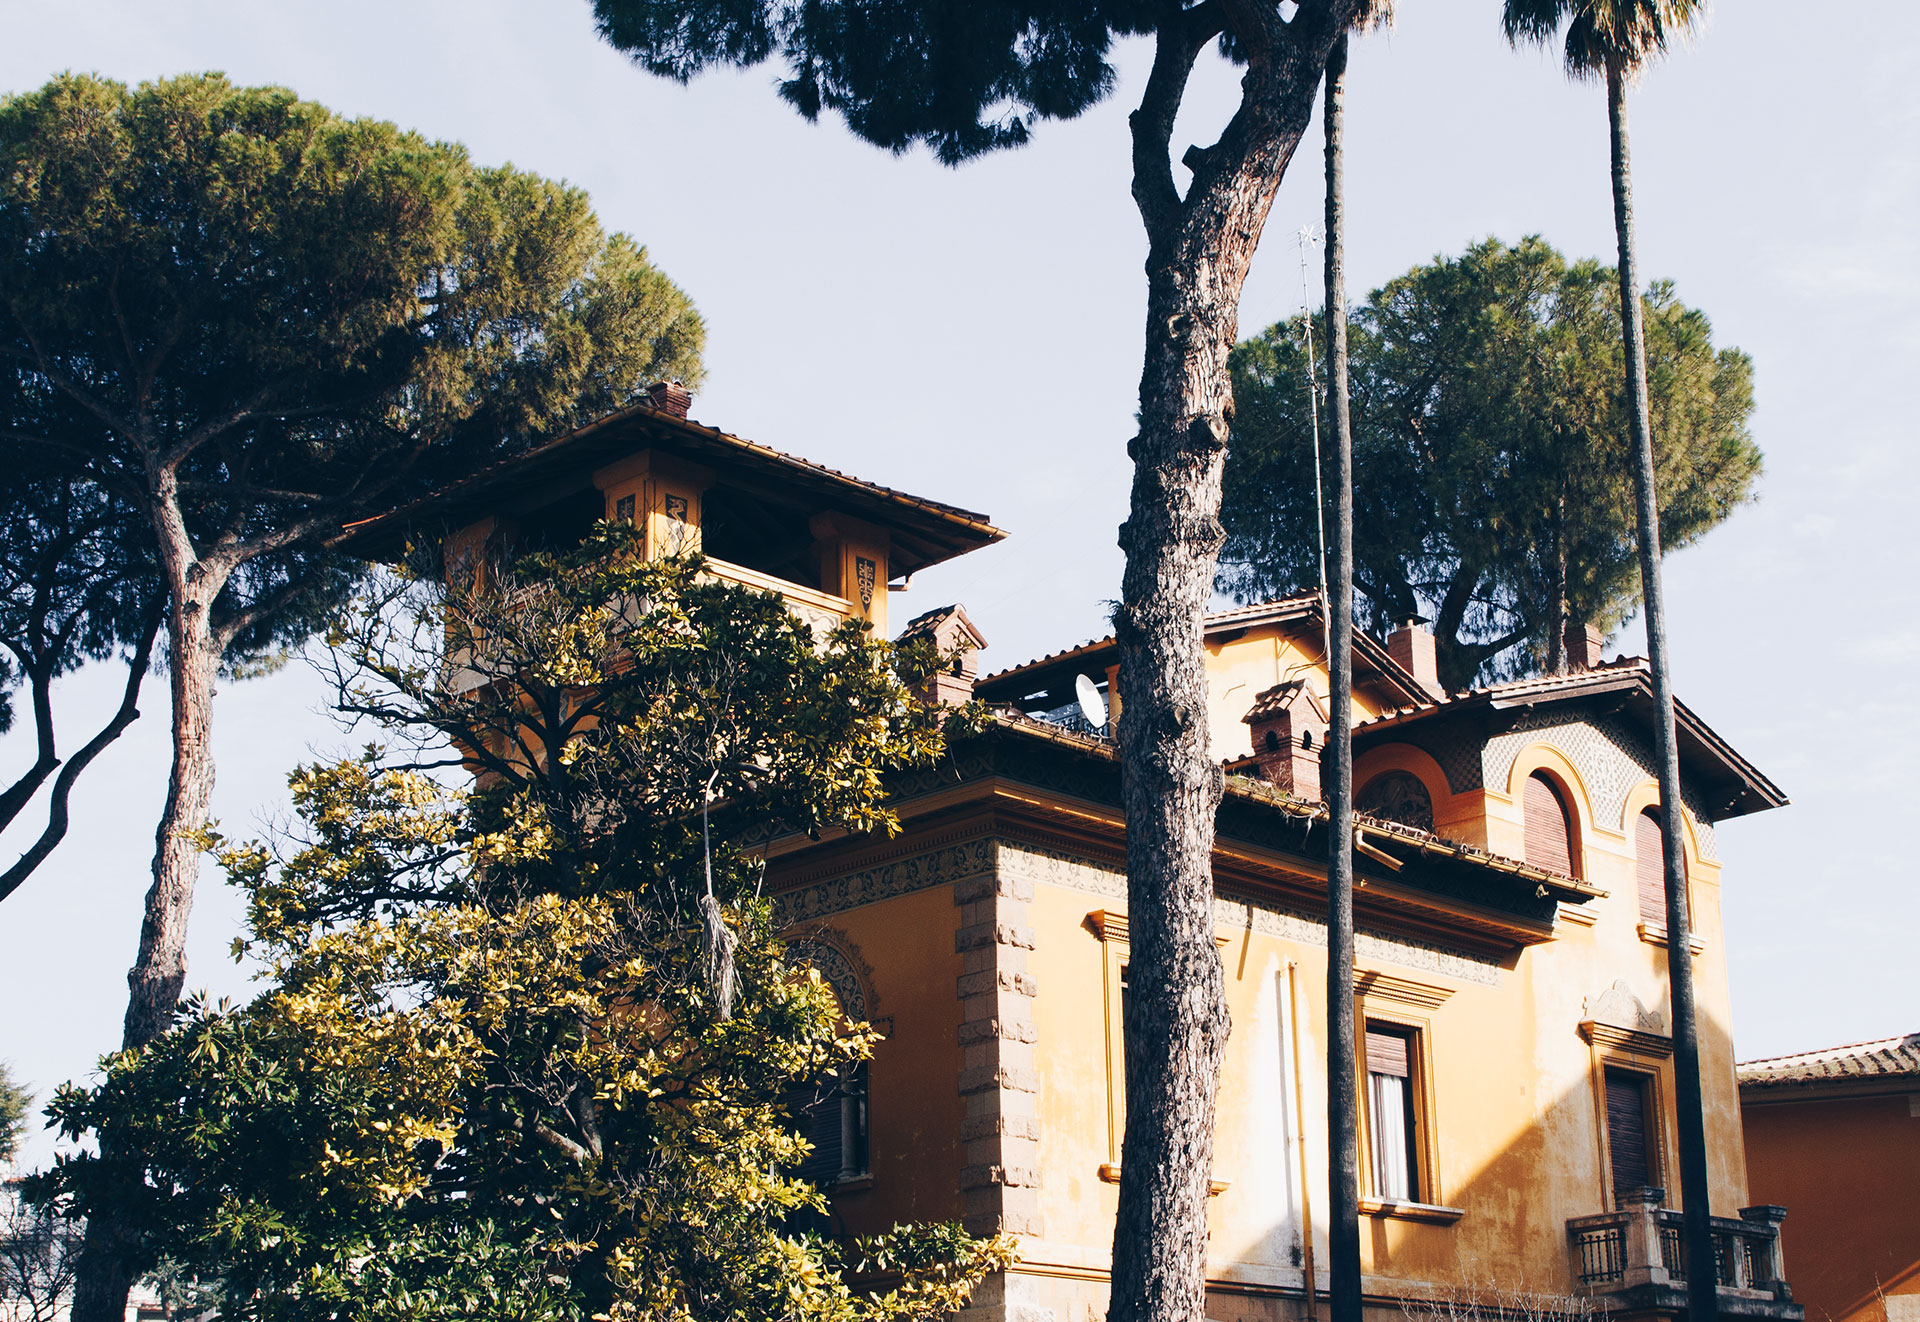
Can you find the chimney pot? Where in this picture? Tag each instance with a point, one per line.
(1412, 646)
(1583, 644)
(670, 398)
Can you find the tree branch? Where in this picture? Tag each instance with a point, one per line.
(1179, 43)
(127, 713)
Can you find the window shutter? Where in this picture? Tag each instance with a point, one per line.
(817, 1110)
(1649, 868)
(1627, 1146)
(1549, 840)
(1387, 1054)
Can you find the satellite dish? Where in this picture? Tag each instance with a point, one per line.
(1092, 705)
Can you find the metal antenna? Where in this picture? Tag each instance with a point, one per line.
(1309, 236)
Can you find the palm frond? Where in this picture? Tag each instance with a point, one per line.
(1627, 35)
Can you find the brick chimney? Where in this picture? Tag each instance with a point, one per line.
(1583, 643)
(957, 639)
(1289, 728)
(1412, 646)
(670, 398)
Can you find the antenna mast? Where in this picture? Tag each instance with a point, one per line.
(1308, 238)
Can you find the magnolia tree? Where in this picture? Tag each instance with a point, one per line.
(526, 1048)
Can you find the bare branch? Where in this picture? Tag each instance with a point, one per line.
(127, 713)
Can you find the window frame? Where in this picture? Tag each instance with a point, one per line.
(1653, 1119)
(1641, 1052)
(1415, 1126)
(1653, 928)
(1111, 927)
(1398, 1004)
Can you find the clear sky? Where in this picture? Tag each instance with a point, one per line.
(974, 336)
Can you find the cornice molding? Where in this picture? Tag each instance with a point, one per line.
(1635, 1040)
(1406, 991)
(1109, 925)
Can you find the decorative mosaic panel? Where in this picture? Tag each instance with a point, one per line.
(1610, 756)
(1457, 752)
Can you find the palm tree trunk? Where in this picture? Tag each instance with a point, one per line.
(1702, 1272)
(1343, 1123)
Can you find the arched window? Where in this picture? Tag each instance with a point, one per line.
(1397, 796)
(831, 1111)
(1649, 867)
(1549, 827)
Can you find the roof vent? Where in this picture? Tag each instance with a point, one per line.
(670, 398)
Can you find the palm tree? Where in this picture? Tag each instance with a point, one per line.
(1343, 1126)
(1617, 40)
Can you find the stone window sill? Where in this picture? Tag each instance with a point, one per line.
(1398, 1210)
(1655, 934)
(852, 1184)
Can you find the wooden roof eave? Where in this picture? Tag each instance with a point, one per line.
(927, 531)
(1243, 870)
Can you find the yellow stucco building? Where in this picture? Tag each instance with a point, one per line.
(1517, 1119)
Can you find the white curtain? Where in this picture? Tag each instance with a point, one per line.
(1391, 1178)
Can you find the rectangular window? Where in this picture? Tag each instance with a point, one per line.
(1393, 1111)
(1632, 1131)
(623, 510)
(832, 1115)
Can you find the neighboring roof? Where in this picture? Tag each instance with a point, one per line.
(1730, 785)
(1371, 659)
(1889, 1059)
(925, 532)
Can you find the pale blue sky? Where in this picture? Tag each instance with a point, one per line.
(974, 336)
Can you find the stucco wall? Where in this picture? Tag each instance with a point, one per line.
(1847, 1169)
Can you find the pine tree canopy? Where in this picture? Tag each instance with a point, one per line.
(962, 79)
(291, 315)
(1490, 452)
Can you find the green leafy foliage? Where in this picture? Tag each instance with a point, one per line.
(1491, 474)
(490, 1073)
(16, 1103)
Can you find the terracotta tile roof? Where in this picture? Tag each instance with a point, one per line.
(926, 623)
(1887, 1058)
(1370, 655)
(1738, 786)
(1375, 828)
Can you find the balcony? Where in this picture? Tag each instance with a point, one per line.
(1635, 1260)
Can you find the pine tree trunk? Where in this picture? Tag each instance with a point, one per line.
(159, 969)
(1199, 247)
(1176, 1020)
(1702, 1289)
(1343, 1071)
